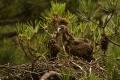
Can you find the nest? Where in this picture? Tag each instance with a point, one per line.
(44, 69)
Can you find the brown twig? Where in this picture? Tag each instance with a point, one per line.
(107, 20)
(85, 73)
(8, 35)
(112, 13)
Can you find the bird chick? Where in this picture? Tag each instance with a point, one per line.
(54, 49)
(76, 47)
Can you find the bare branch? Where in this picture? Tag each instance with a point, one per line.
(114, 42)
(85, 73)
(8, 35)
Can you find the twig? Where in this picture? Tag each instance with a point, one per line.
(30, 52)
(101, 68)
(114, 43)
(4, 66)
(79, 67)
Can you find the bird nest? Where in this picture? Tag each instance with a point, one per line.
(49, 70)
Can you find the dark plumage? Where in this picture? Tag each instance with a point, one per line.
(54, 49)
(104, 42)
(76, 47)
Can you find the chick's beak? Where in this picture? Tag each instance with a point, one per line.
(58, 29)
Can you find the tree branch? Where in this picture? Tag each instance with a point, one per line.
(114, 42)
(8, 35)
